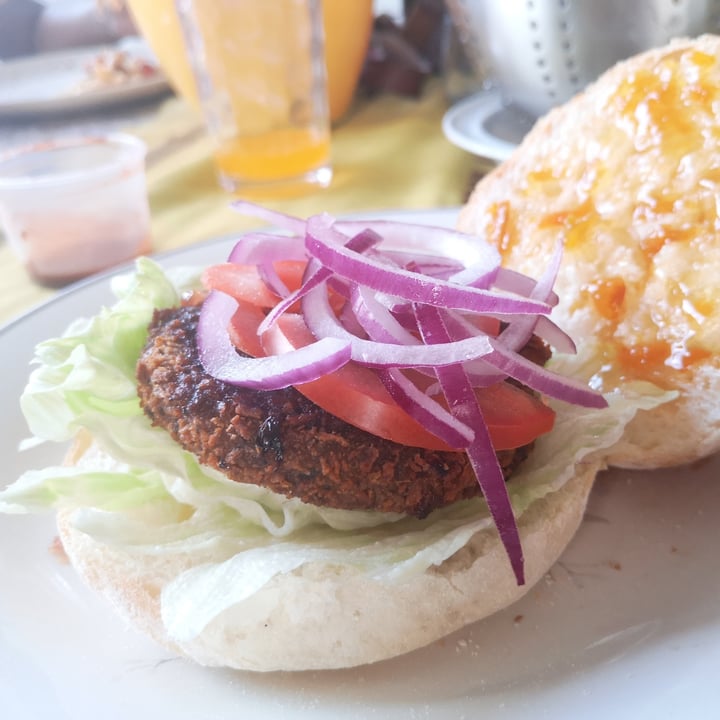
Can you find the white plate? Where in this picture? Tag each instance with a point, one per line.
(626, 625)
(52, 83)
(485, 125)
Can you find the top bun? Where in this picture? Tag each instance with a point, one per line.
(627, 176)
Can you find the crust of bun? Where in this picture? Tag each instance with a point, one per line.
(633, 196)
(323, 616)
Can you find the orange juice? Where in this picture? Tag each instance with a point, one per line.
(273, 155)
(260, 71)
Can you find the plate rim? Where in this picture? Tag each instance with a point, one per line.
(108, 96)
(478, 108)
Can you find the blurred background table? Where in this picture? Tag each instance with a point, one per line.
(389, 153)
(388, 148)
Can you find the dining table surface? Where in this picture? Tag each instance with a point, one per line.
(389, 153)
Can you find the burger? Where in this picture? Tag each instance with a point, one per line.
(352, 438)
(338, 446)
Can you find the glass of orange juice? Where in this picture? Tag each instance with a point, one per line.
(261, 79)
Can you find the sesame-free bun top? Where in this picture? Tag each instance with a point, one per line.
(627, 176)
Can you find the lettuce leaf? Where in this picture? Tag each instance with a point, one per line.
(158, 500)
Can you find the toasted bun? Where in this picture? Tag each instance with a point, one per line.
(325, 616)
(626, 175)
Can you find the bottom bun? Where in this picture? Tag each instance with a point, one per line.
(324, 616)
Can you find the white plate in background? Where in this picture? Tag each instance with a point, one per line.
(485, 125)
(52, 83)
(627, 624)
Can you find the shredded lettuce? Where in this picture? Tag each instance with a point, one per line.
(158, 500)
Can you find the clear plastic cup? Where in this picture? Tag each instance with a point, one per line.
(72, 208)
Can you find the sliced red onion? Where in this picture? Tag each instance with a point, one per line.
(255, 248)
(425, 410)
(323, 324)
(515, 282)
(426, 240)
(269, 276)
(349, 321)
(314, 275)
(458, 328)
(221, 360)
(554, 336)
(377, 321)
(478, 275)
(425, 264)
(516, 335)
(326, 244)
(460, 396)
(538, 378)
(274, 217)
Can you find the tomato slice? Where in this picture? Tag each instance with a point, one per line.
(513, 416)
(243, 329)
(243, 282)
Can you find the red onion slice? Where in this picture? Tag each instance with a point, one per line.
(377, 321)
(274, 217)
(425, 410)
(322, 322)
(220, 358)
(315, 274)
(516, 335)
(256, 248)
(324, 243)
(514, 282)
(478, 275)
(272, 280)
(460, 397)
(414, 239)
(554, 336)
(538, 378)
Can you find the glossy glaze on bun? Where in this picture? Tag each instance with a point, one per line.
(627, 176)
(325, 616)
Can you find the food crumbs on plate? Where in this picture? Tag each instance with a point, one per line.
(58, 551)
(615, 565)
(518, 619)
(673, 549)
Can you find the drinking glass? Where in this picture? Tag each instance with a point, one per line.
(261, 79)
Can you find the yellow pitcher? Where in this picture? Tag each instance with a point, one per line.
(348, 24)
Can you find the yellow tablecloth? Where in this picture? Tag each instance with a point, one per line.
(388, 153)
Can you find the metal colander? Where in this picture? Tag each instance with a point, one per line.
(542, 52)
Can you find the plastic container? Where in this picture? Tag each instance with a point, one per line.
(73, 208)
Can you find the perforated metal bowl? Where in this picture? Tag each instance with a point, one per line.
(542, 52)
